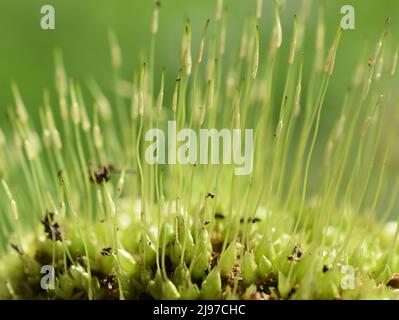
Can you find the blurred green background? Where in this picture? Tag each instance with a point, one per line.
(82, 26)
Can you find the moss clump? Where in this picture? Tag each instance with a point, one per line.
(266, 267)
(302, 225)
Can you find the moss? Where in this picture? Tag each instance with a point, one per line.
(309, 222)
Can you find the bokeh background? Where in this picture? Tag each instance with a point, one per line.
(26, 51)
